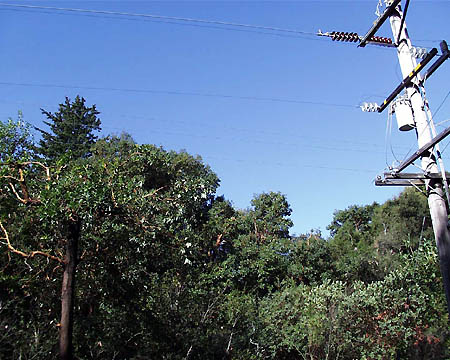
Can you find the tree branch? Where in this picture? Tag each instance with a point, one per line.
(19, 166)
(153, 192)
(23, 201)
(23, 254)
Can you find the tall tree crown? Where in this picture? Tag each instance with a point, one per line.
(72, 130)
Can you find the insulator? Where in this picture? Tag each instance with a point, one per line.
(380, 40)
(418, 52)
(369, 107)
(344, 36)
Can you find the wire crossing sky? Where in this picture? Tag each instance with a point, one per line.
(160, 17)
(239, 83)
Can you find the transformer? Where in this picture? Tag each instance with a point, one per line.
(403, 113)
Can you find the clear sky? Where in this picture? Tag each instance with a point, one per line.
(267, 110)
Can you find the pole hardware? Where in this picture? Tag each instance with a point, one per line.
(390, 179)
(427, 139)
(445, 56)
(424, 149)
(369, 107)
(377, 24)
(344, 36)
(418, 52)
(407, 81)
(403, 22)
(354, 37)
(404, 114)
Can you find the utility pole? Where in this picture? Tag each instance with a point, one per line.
(436, 197)
(412, 112)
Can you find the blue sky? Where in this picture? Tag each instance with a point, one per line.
(268, 111)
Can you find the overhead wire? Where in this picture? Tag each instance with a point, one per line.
(160, 17)
(245, 139)
(441, 104)
(374, 147)
(253, 31)
(176, 20)
(241, 160)
(177, 92)
(388, 139)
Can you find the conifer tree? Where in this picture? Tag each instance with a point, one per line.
(72, 130)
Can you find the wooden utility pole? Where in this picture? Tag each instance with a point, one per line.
(435, 192)
(417, 116)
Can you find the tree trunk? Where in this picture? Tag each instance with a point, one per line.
(67, 292)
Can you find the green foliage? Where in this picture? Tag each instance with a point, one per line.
(387, 319)
(270, 215)
(169, 271)
(404, 217)
(16, 140)
(311, 260)
(352, 247)
(72, 130)
(354, 221)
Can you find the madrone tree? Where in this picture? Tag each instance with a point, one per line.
(126, 208)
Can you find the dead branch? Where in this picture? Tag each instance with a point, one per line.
(231, 336)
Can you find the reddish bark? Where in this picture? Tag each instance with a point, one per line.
(67, 292)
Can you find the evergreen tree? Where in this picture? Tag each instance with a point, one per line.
(72, 128)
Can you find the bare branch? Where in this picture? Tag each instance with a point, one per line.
(10, 177)
(231, 336)
(23, 254)
(153, 192)
(19, 166)
(17, 194)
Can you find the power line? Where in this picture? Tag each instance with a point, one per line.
(236, 130)
(183, 93)
(277, 34)
(442, 103)
(161, 17)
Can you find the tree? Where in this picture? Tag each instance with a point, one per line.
(125, 214)
(16, 140)
(404, 217)
(352, 243)
(72, 130)
(270, 215)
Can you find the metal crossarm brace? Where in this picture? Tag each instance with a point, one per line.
(405, 179)
(422, 150)
(408, 79)
(377, 24)
(413, 176)
(445, 56)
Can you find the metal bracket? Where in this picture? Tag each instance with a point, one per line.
(421, 151)
(392, 179)
(408, 79)
(377, 24)
(445, 56)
